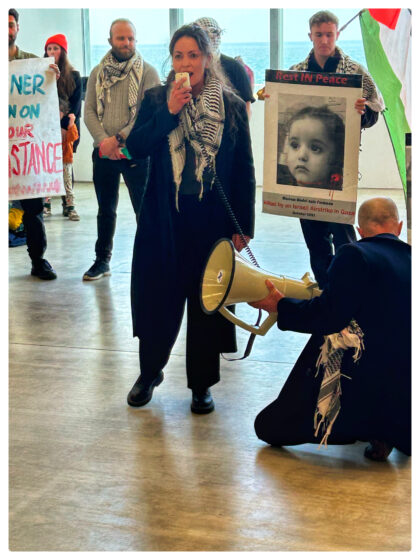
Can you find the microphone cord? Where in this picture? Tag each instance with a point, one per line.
(235, 222)
(222, 194)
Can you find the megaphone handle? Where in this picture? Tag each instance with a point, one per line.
(261, 330)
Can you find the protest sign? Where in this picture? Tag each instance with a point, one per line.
(35, 149)
(311, 145)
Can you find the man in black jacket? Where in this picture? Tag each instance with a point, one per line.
(369, 282)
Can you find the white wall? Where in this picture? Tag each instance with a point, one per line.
(376, 164)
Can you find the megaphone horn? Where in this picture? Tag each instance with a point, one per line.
(229, 278)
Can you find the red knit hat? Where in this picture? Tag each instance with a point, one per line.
(58, 39)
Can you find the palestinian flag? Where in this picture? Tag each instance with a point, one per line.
(387, 41)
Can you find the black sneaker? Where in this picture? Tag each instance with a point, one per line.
(43, 270)
(97, 270)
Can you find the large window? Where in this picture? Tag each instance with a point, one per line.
(152, 28)
(246, 33)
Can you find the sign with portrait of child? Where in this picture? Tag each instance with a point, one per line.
(35, 149)
(311, 145)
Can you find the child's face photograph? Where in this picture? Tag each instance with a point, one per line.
(309, 152)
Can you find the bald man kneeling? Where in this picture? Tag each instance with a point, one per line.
(369, 399)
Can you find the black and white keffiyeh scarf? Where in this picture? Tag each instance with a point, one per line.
(348, 66)
(110, 72)
(213, 30)
(206, 115)
(330, 358)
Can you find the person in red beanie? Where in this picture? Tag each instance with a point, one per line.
(69, 86)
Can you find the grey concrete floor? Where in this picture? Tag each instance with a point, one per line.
(87, 472)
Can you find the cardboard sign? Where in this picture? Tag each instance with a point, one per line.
(311, 145)
(35, 149)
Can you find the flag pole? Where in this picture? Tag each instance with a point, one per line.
(354, 17)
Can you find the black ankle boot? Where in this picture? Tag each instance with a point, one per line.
(142, 391)
(202, 401)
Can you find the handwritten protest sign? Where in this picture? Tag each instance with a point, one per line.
(311, 145)
(35, 150)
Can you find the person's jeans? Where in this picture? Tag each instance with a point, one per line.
(106, 179)
(323, 239)
(33, 221)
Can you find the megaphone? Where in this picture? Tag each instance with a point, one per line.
(229, 278)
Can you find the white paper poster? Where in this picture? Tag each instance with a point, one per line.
(35, 149)
(311, 145)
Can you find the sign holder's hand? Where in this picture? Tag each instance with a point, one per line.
(360, 106)
(55, 69)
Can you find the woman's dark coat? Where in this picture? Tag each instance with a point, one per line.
(153, 268)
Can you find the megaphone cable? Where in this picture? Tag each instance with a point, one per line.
(220, 190)
(231, 213)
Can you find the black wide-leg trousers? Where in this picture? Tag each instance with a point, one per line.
(207, 335)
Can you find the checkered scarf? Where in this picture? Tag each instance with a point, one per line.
(213, 30)
(110, 72)
(348, 66)
(331, 356)
(206, 114)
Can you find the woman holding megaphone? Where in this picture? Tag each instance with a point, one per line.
(183, 214)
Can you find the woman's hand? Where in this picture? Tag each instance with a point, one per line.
(178, 97)
(55, 69)
(72, 119)
(238, 243)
